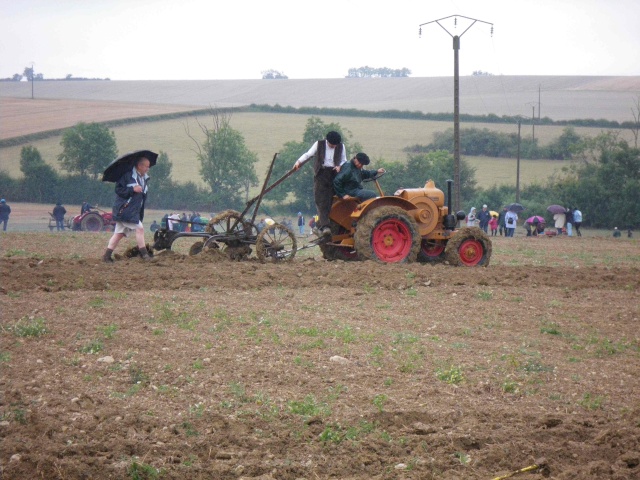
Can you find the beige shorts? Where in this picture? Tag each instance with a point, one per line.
(126, 228)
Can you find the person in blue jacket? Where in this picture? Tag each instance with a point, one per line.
(348, 183)
(128, 208)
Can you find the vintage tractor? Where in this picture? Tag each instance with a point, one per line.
(94, 220)
(413, 224)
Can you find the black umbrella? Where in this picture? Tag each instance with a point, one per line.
(515, 207)
(125, 163)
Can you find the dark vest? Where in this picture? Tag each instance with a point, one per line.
(322, 150)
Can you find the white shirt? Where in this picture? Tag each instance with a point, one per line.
(140, 180)
(328, 156)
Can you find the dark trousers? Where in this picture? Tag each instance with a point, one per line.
(60, 224)
(4, 221)
(323, 195)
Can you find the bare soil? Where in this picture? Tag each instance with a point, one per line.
(200, 367)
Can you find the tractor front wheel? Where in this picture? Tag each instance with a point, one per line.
(469, 247)
(387, 234)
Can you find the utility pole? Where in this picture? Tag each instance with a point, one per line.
(533, 123)
(33, 77)
(456, 98)
(538, 103)
(518, 168)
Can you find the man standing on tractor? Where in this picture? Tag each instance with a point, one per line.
(330, 154)
(348, 183)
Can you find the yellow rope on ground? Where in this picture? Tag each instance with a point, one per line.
(530, 468)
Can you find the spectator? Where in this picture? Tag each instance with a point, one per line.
(174, 222)
(58, 214)
(471, 218)
(184, 223)
(510, 221)
(484, 216)
(128, 208)
(501, 218)
(5, 211)
(164, 222)
(559, 219)
(538, 227)
(493, 224)
(569, 220)
(330, 154)
(301, 223)
(577, 220)
(154, 226)
(616, 232)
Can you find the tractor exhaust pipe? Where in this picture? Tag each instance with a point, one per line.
(451, 220)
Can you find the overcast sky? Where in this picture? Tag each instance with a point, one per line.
(238, 39)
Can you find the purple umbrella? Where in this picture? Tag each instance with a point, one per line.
(532, 219)
(556, 209)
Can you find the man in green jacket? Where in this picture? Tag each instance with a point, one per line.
(348, 183)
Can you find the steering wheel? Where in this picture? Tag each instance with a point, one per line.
(375, 177)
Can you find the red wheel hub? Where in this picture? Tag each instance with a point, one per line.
(391, 240)
(471, 252)
(432, 249)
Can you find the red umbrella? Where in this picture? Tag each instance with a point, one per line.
(532, 219)
(556, 209)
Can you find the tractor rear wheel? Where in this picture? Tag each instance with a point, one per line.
(92, 222)
(431, 251)
(469, 247)
(387, 234)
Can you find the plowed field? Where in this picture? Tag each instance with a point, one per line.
(200, 367)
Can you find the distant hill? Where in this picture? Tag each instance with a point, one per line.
(561, 98)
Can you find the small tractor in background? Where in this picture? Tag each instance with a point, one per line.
(94, 220)
(413, 224)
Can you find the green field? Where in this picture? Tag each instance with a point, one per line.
(266, 134)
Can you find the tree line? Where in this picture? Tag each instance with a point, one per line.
(484, 142)
(30, 75)
(377, 72)
(446, 117)
(603, 178)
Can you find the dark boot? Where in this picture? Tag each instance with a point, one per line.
(145, 254)
(107, 256)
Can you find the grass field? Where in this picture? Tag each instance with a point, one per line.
(266, 134)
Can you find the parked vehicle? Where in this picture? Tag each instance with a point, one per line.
(95, 220)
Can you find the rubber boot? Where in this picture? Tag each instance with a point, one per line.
(145, 254)
(107, 256)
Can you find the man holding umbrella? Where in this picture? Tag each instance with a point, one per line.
(130, 174)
